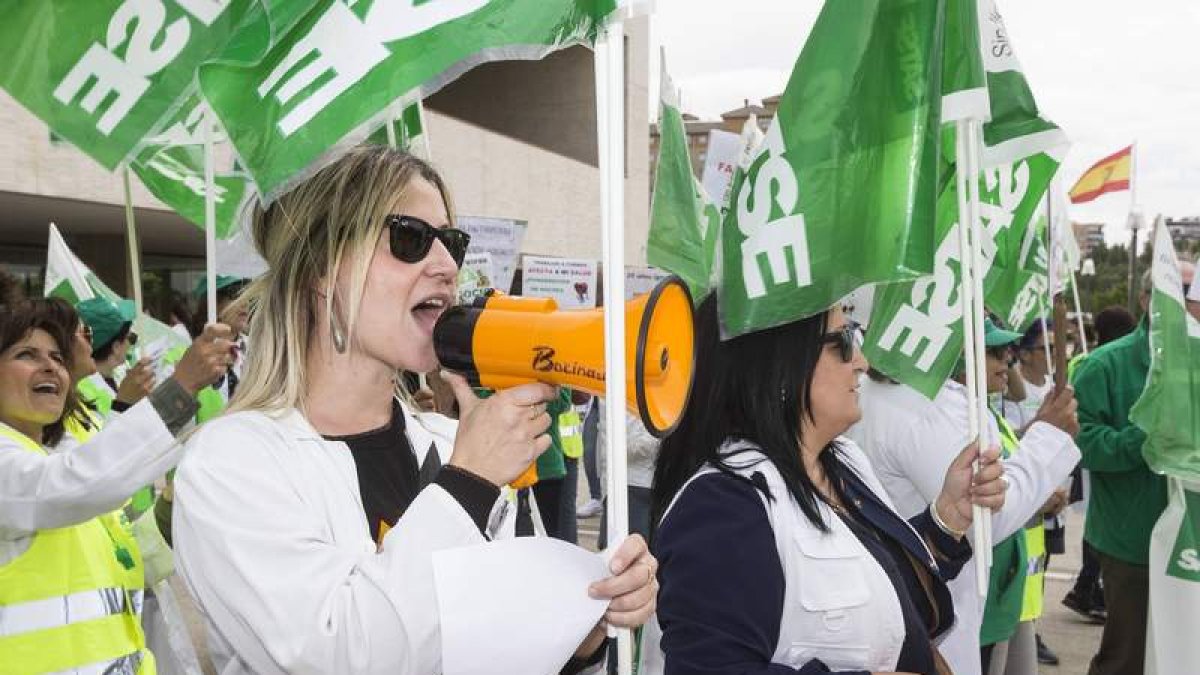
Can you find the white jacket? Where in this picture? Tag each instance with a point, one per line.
(76, 483)
(911, 442)
(272, 540)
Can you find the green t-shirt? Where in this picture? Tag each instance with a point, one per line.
(1127, 498)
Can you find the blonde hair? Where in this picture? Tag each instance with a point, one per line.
(333, 219)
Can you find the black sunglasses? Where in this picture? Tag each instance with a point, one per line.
(411, 238)
(846, 340)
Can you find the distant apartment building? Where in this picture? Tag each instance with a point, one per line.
(1185, 232)
(698, 130)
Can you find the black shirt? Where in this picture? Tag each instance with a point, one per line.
(389, 479)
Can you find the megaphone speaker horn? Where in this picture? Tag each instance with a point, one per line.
(511, 341)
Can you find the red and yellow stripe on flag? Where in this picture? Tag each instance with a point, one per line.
(1108, 175)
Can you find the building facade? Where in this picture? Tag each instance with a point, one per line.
(698, 131)
(514, 139)
(1185, 232)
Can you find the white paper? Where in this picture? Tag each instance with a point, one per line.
(721, 158)
(515, 606)
(156, 351)
(502, 237)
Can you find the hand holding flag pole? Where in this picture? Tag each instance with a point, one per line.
(610, 131)
(964, 177)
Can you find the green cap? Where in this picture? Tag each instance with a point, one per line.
(106, 318)
(995, 336)
(223, 282)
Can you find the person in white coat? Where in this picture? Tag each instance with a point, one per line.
(301, 528)
(71, 577)
(911, 440)
(780, 551)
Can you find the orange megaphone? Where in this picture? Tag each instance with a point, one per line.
(510, 341)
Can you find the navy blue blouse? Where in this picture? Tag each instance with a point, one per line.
(721, 580)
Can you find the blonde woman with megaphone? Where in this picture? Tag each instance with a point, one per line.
(302, 525)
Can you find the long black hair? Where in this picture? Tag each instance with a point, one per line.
(756, 387)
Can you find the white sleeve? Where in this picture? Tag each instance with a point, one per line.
(642, 446)
(1045, 457)
(82, 481)
(278, 565)
(924, 453)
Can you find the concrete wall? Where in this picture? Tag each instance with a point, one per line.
(522, 145)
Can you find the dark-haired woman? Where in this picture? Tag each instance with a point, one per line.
(70, 575)
(779, 550)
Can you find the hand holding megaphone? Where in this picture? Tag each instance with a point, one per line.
(500, 436)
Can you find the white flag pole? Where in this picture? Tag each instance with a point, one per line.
(1051, 282)
(1078, 311)
(966, 303)
(610, 117)
(390, 130)
(974, 142)
(131, 240)
(210, 217)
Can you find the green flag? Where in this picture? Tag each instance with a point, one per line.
(676, 240)
(68, 278)
(843, 190)
(171, 166)
(327, 80)
(915, 334)
(964, 78)
(103, 73)
(1169, 409)
(408, 131)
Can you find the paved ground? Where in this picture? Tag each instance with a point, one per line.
(1064, 631)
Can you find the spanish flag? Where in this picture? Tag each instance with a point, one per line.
(1108, 175)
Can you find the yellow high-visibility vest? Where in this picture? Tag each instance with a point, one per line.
(1035, 545)
(73, 598)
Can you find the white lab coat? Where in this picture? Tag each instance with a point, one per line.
(75, 482)
(911, 442)
(272, 541)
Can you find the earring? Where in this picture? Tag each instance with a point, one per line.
(336, 331)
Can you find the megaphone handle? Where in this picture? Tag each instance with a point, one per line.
(526, 479)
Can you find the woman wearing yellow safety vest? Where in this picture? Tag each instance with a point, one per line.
(70, 575)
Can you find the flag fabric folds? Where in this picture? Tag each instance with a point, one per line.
(915, 331)
(1110, 174)
(1169, 408)
(68, 278)
(678, 224)
(843, 190)
(171, 166)
(336, 75)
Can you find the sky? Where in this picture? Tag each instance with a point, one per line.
(1109, 72)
